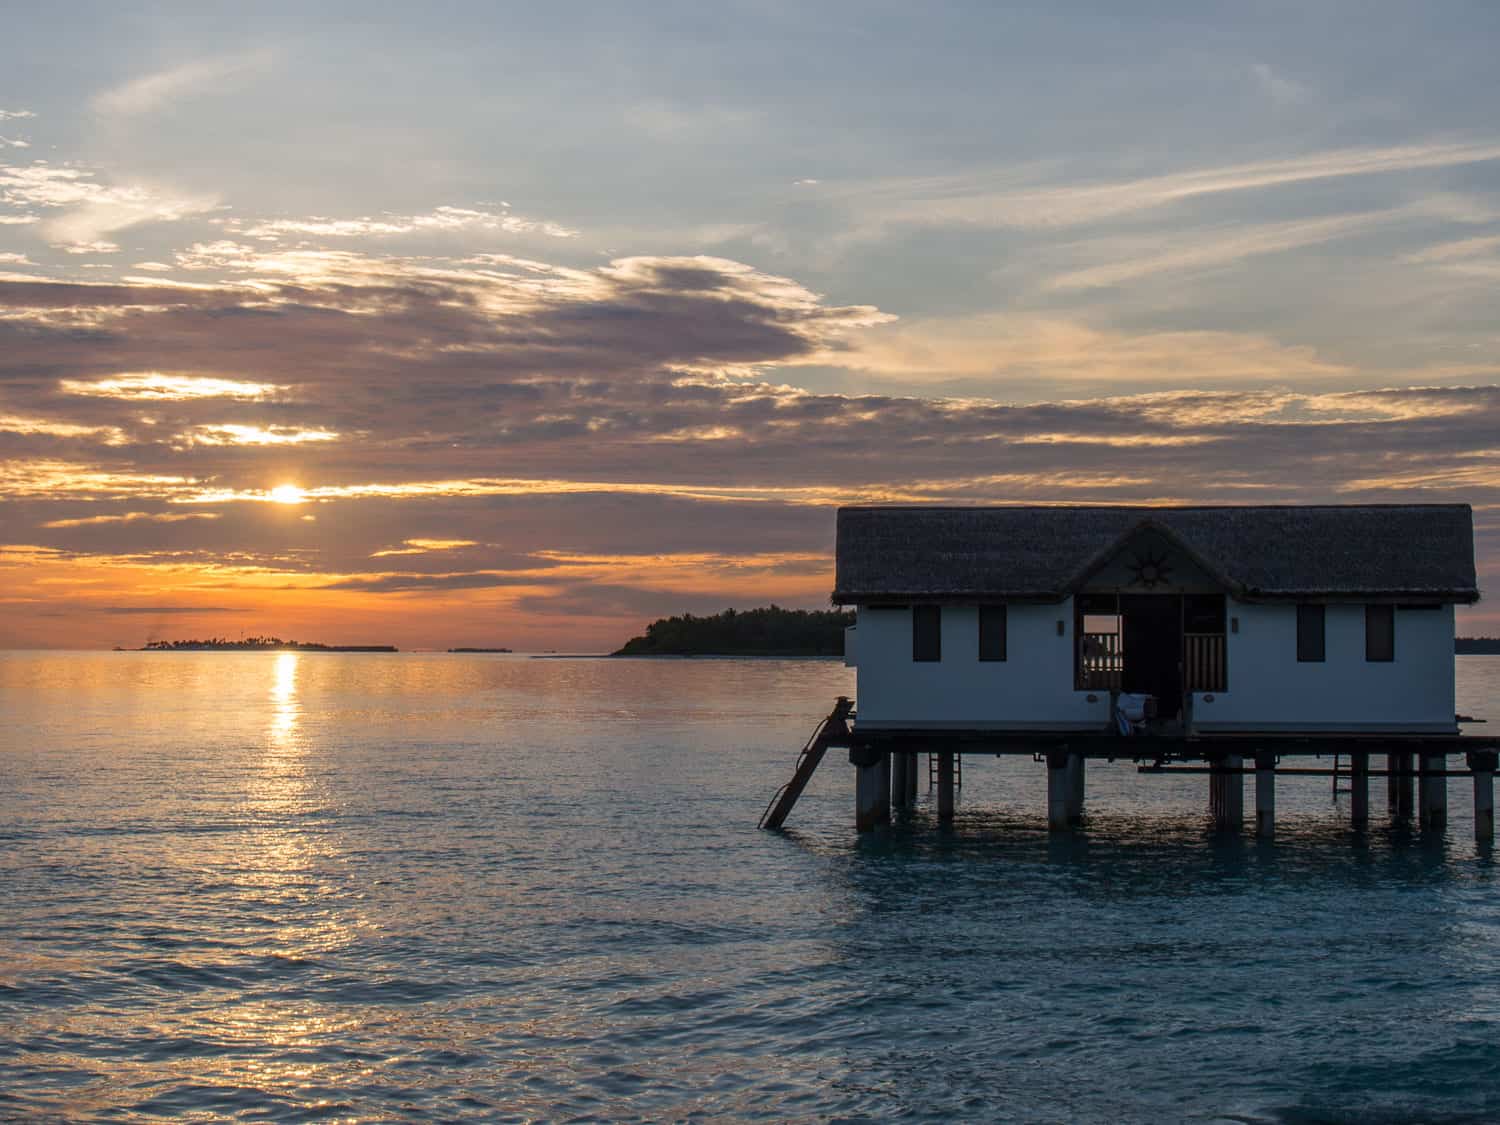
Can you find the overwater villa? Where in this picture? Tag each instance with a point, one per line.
(1215, 635)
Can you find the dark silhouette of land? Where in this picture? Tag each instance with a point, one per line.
(768, 631)
(1476, 646)
(257, 644)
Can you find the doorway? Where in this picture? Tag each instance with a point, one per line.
(1152, 627)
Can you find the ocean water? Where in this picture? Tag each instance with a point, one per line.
(293, 887)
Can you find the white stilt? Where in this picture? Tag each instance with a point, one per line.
(1482, 763)
(1434, 787)
(1265, 795)
(872, 791)
(945, 785)
(1226, 793)
(1076, 767)
(1059, 790)
(1359, 790)
(1405, 780)
(899, 764)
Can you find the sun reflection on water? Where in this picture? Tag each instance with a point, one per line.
(286, 709)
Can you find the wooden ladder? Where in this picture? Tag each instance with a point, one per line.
(832, 731)
(958, 771)
(1342, 772)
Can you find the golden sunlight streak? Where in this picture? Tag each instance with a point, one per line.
(287, 494)
(227, 433)
(285, 708)
(156, 386)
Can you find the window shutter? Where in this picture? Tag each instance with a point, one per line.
(992, 638)
(1380, 632)
(927, 633)
(1310, 634)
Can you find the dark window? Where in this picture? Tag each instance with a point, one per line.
(992, 632)
(1203, 613)
(1310, 647)
(1380, 632)
(926, 632)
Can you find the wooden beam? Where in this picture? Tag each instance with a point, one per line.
(1359, 790)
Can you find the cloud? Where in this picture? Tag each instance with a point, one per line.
(423, 546)
(88, 209)
(234, 433)
(15, 114)
(153, 386)
(154, 91)
(1277, 87)
(129, 517)
(1006, 355)
(524, 436)
(1051, 202)
(11, 259)
(1462, 248)
(439, 220)
(1206, 249)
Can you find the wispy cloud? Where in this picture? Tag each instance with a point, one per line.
(1056, 203)
(234, 433)
(89, 209)
(439, 220)
(157, 386)
(1454, 251)
(1280, 89)
(15, 114)
(1213, 247)
(153, 91)
(130, 517)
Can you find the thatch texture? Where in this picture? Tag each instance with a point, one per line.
(1420, 551)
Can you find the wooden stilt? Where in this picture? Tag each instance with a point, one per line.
(1265, 794)
(1405, 785)
(1059, 788)
(913, 761)
(1226, 792)
(1392, 782)
(1359, 790)
(899, 766)
(1434, 790)
(1482, 763)
(945, 785)
(872, 791)
(1076, 786)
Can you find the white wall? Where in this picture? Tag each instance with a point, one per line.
(1033, 688)
(1269, 689)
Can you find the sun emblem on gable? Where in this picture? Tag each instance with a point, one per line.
(1149, 569)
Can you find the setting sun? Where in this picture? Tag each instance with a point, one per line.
(288, 494)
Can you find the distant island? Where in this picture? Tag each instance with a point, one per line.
(257, 644)
(1476, 646)
(767, 631)
(479, 650)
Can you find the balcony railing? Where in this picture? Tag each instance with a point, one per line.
(1204, 665)
(1101, 662)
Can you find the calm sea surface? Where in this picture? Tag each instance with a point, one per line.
(296, 887)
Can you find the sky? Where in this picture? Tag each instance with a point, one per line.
(523, 324)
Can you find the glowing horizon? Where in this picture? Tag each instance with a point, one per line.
(427, 380)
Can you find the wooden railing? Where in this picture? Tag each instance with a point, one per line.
(1101, 662)
(1204, 667)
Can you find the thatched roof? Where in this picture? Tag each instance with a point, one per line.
(1417, 551)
